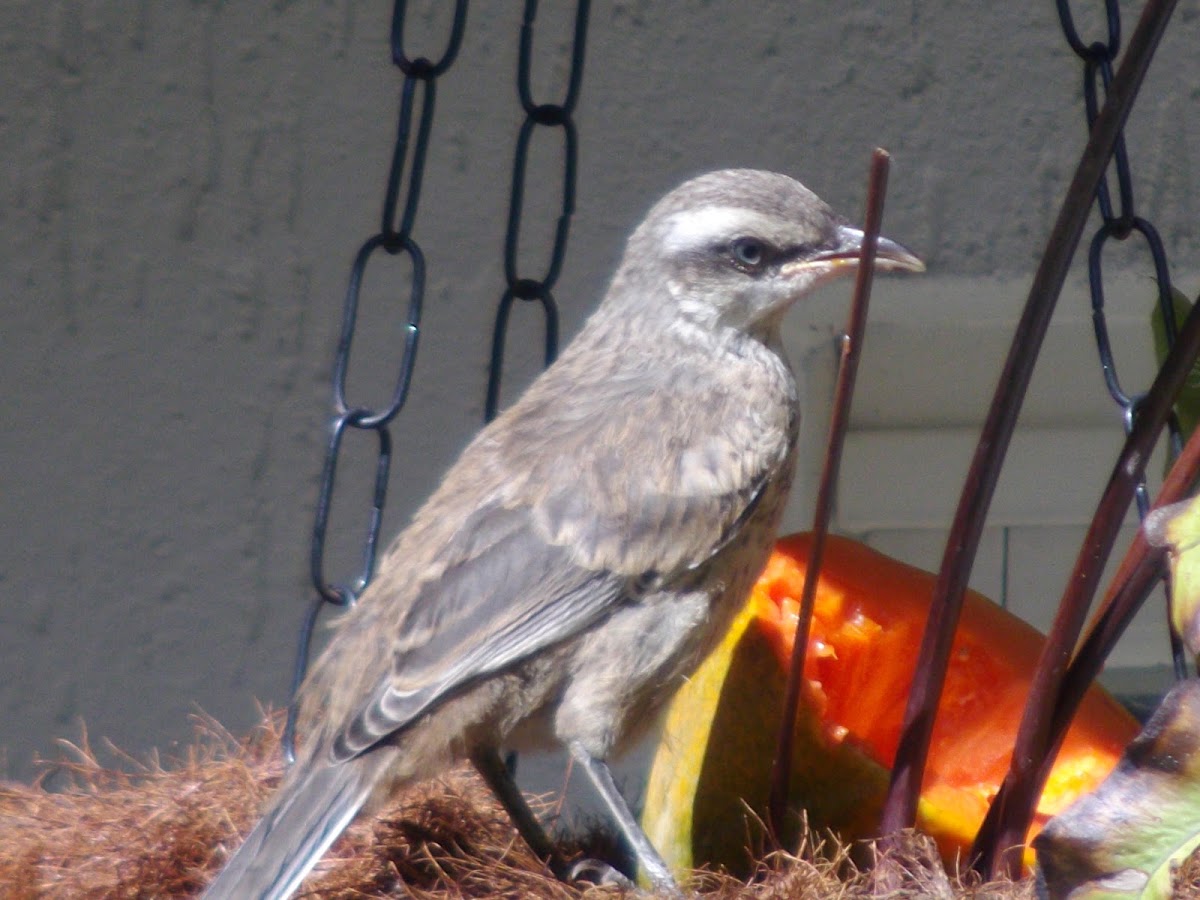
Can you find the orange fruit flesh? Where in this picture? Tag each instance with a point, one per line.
(868, 620)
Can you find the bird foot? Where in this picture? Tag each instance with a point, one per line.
(596, 872)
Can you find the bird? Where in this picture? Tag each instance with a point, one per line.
(589, 546)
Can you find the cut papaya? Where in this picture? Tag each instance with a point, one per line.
(708, 786)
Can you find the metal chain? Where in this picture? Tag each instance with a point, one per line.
(393, 238)
(545, 115)
(1120, 224)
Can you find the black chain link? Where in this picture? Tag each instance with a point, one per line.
(1120, 224)
(544, 115)
(394, 238)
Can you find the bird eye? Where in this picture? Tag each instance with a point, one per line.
(749, 253)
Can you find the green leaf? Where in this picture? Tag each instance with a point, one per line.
(1126, 838)
(1187, 406)
(1177, 526)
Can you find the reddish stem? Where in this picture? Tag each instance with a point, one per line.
(901, 804)
(851, 350)
(1056, 689)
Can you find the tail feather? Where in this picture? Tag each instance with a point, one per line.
(312, 808)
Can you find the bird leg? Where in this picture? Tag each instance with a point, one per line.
(491, 767)
(649, 861)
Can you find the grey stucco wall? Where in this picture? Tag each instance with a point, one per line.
(182, 187)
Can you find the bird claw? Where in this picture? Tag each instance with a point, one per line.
(599, 873)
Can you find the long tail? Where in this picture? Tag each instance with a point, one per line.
(311, 809)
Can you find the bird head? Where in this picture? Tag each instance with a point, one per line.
(736, 248)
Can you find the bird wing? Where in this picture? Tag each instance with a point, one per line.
(584, 512)
(483, 612)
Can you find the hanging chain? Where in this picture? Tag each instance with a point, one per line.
(1120, 223)
(545, 115)
(394, 238)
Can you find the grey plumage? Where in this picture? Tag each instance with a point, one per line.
(591, 544)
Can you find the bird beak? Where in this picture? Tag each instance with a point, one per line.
(889, 256)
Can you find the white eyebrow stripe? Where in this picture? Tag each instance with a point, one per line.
(700, 227)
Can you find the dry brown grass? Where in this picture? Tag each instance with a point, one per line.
(1187, 878)
(147, 830)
